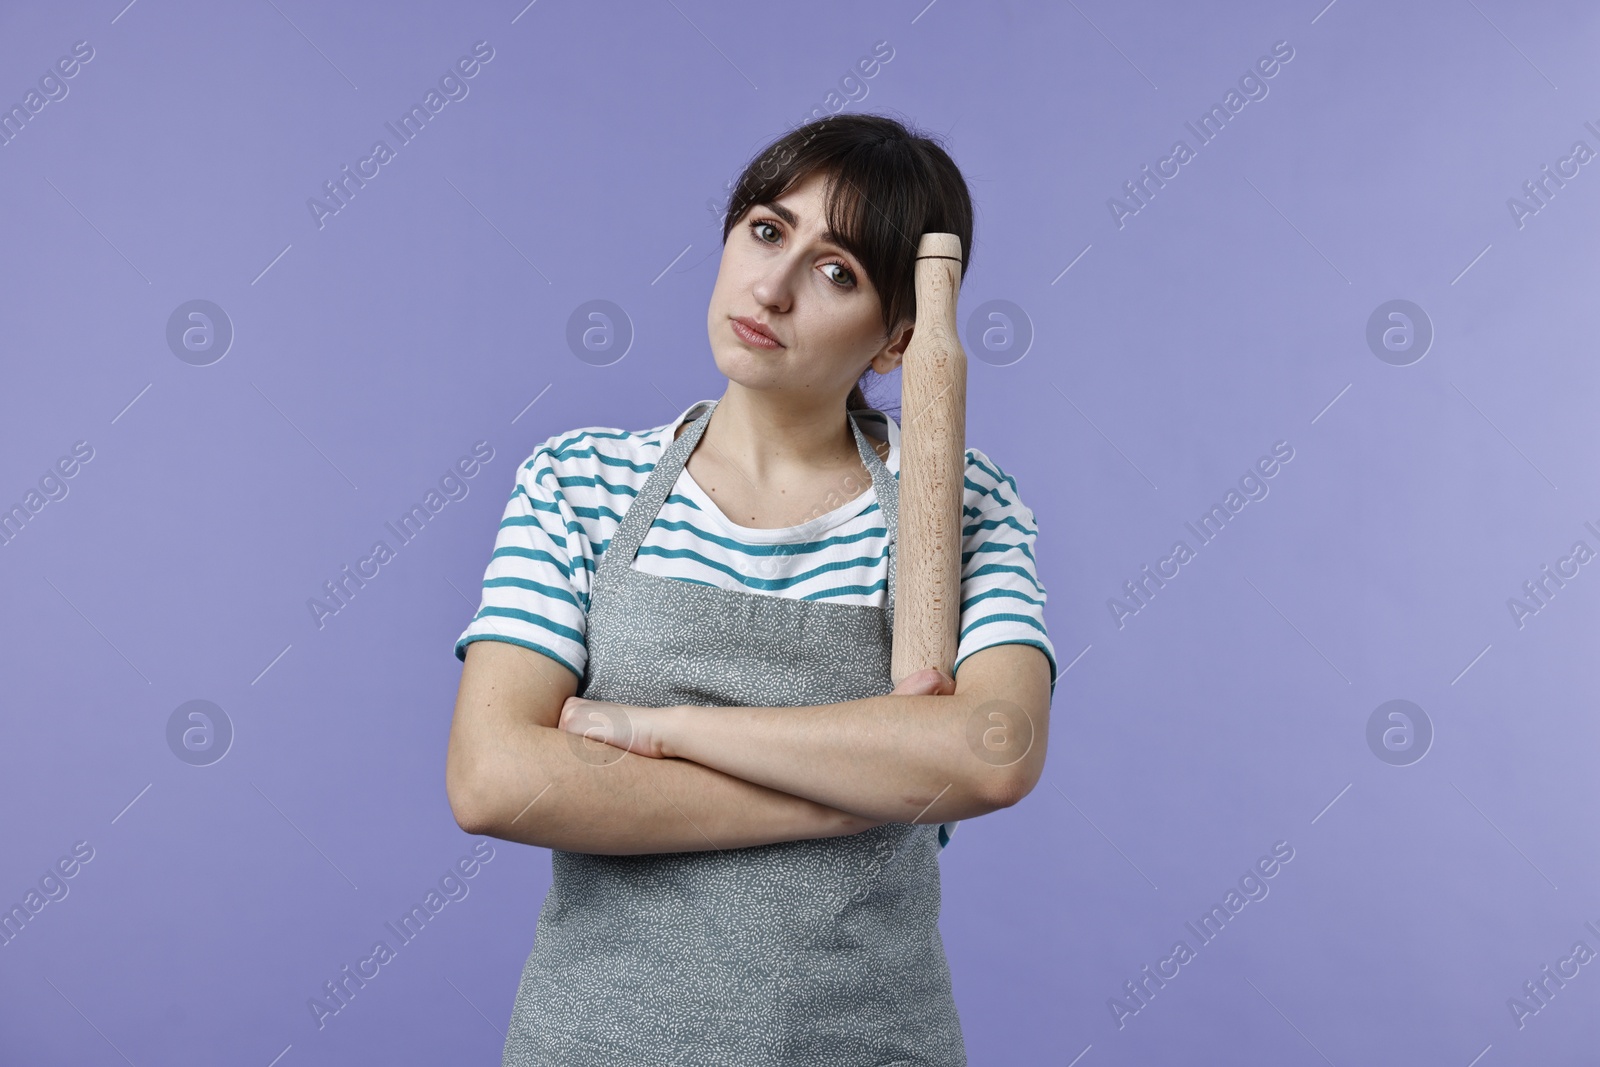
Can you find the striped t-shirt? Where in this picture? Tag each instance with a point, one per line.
(570, 495)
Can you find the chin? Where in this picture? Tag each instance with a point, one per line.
(746, 371)
(751, 369)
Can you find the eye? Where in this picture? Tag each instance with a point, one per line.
(852, 276)
(759, 226)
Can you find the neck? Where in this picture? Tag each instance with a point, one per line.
(771, 433)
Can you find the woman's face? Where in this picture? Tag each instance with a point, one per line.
(780, 270)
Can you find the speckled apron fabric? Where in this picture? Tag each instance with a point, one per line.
(822, 953)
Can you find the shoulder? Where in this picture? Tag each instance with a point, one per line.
(590, 452)
(987, 483)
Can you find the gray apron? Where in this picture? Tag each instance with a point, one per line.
(822, 953)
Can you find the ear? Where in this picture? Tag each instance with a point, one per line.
(894, 350)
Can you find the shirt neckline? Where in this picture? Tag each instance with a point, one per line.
(688, 487)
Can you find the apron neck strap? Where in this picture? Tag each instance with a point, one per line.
(636, 521)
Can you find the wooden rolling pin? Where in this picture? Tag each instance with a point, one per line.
(933, 447)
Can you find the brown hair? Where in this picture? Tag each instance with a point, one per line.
(887, 186)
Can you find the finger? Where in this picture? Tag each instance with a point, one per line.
(909, 685)
(919, 683)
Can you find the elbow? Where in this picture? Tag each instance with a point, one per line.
(468, 811)
(469, 816)
(466, 804)
(1003, 787)
(1003, 792)
(1006, 732)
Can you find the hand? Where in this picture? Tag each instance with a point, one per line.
(925, 683)
(643, 731)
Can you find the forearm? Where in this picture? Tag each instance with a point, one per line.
(888, 758)
(541, 786)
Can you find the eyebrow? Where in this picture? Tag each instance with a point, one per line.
(793, 221)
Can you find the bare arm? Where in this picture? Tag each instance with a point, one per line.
(512, 774)
(894, 758)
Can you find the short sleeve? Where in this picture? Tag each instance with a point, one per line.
(536, 587)
(1002, 600)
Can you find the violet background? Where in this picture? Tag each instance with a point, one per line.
(1229, 314)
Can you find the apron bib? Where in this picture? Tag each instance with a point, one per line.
(815, 953)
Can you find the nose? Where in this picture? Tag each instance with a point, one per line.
(775, 287)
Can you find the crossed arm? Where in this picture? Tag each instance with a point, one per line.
(531, 762)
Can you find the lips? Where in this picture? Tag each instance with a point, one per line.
(754, 333)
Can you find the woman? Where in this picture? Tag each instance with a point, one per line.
(745, 815)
